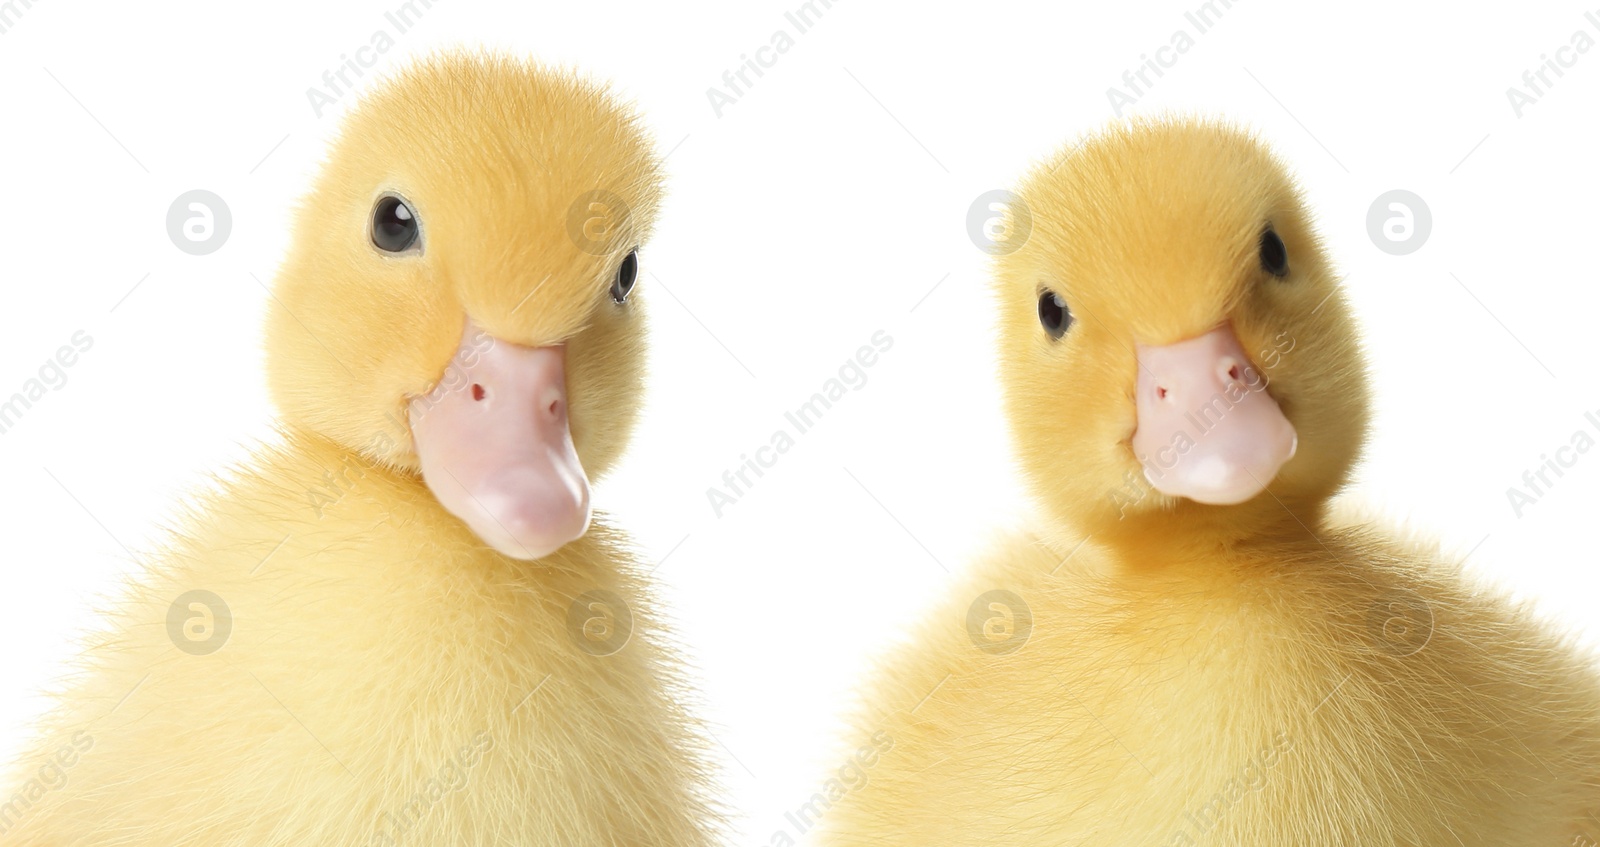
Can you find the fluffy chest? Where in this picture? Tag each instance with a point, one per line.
(1321, 703)
(375, 677)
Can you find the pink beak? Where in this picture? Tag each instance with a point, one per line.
(1207, 428)
(495, 448)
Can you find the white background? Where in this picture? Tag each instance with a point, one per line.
(827, 203)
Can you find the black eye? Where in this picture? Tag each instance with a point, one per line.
(627, 274)
(1274, 256)
(1054, 314)
(394, 225)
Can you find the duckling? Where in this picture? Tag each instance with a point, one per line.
(1188, 645)
(403, 624)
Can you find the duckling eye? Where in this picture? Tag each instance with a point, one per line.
(1274, 256)
(394, 225)
(627, 274)
(1054, 314)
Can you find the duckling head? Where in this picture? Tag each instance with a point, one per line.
(1177, 360)
(458, 301)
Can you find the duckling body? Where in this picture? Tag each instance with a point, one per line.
(400, 624)
(1267, 695)
(1231, 664)
(387, 680)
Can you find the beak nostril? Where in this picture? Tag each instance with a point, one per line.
(477, 392)
(1233, 373)
(555, 408)
(1161, 393)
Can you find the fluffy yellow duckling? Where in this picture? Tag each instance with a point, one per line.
(1187, 648)
(399, 626)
